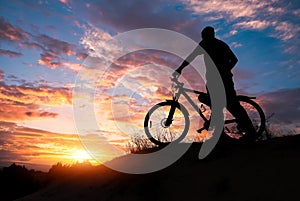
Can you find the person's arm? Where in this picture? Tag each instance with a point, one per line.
(189, 59)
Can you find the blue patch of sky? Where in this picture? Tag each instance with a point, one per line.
(263, 56)
(31, 72)
(179, 7)
(35, 21)
(38, 18)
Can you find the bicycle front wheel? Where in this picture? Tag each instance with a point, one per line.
(255, 114)
(156, 128)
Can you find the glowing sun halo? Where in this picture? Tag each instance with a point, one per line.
(81, 155)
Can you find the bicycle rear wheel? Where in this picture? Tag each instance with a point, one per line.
(255, 114)
(156, 128)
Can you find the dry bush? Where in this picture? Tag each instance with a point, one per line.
(138, 144)
(276, 129)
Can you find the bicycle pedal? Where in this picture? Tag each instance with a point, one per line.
(203, 108)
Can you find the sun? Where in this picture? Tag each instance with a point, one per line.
(81, 156)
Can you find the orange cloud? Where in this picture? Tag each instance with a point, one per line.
(42, 95)
(20, 103)
(26, 145)
(11, 111)
(64, 1)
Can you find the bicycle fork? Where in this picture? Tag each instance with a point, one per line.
(171, 114)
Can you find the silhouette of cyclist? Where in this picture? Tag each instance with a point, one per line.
(224, 59)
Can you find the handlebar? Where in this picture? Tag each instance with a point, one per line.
(175, 80)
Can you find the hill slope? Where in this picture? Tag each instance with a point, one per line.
(267, 170)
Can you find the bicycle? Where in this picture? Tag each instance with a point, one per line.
(169, 121)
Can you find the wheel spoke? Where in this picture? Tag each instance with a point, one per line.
(158, 132)
(255, 114)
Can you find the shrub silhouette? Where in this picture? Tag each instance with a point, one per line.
(17, 181)
(138, 144)
(60, 171)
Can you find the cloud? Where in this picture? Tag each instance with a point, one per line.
(20, 144)
(53, 51)
(232, 8)
(297, 12)
(95, 40)
(284, 104)
(47, 59)
(271, 18)
(31, 45)
(9, 53)
(281, 108)
(23, 113)
(9, 32)
(242, 74)
(64, 1)
(8, 155)
(233, 32)
(236, 44)
(72, 66)
(1, 75)
(249, 14)
(55, 45)
(117, 16)
(21, 103)
(285, 30)
(14, 111)
(43, 95)
(254, 24)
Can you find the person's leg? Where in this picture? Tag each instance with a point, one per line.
(205, 98)
(242, 117)
(235, 108)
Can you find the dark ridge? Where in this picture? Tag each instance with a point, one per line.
(264, 170)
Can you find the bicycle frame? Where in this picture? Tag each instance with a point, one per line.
(183, 91)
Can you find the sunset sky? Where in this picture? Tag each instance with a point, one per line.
(44, 46)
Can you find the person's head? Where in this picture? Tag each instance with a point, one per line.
(208, 33)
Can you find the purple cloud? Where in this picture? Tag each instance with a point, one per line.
(52, 50)
(122, 16)
(9, 53)
(1, 75)
(284, 104)
(9, 32)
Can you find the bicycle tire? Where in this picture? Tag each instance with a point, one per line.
(254, 112)
(154, 121)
